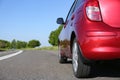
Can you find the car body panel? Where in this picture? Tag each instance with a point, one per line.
(98, 40)
(110, 12)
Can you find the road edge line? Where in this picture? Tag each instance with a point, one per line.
(10, 55)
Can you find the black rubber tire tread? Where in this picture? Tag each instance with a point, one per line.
(61, 58)
(83, 70)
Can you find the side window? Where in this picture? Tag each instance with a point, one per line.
(78, 3)
(71, 10)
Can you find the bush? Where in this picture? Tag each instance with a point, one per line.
(34, 43)
(4, 44)
(53, 37)
(21, 44)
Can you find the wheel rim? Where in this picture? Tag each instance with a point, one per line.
(75, 57)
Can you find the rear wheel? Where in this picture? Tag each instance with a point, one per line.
(80, 69)
(61, 58)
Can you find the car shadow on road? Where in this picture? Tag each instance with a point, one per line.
(104, 69)
(107, 69)
(69, 62)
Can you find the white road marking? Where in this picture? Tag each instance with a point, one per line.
(10, 55)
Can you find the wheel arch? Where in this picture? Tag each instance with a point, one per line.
(71, 40)
(84, 60)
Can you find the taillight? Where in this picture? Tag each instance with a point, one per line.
(93, 10)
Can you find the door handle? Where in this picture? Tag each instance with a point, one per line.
(73, 16)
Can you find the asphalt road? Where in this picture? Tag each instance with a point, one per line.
(43, 65)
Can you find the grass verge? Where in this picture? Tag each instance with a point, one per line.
(2, 49)
(49, 48)
(55, 48)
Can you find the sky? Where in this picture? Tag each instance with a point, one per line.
(31, 19)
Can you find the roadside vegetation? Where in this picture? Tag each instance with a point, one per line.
(55, 48)
(32, 44)
(17, 44)
(53, 37)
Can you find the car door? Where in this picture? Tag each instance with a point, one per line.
(67, 29)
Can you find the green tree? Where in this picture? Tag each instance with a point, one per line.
(53, 37)
(13, 44)
(21, 44)
(4, 44)
(34, 43)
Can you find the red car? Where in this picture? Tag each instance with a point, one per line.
(91, 33)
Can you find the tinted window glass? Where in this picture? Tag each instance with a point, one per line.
(71, 10)
(78, 3)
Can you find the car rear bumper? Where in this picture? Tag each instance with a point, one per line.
(101, 45)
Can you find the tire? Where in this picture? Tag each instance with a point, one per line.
(80, 69)
(61, 58)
